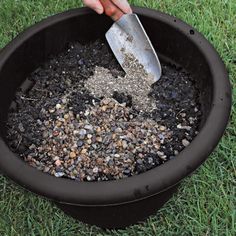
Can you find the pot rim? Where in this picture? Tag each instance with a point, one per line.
(141, 186)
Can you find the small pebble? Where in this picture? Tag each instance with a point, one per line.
(86, 113)
(59, 174)
(32, 146)
(126, 172)
(55, 133)
(51, 110)
(64, 100)
(95, 170)
(124, 144)
(80, 143)
(58, 163)
(104, 108)
(89, 141)
(21, 127)
(98, 130)
(72, 154)
(58, 124)
(185, 142)
(118, 130)
(89, 178)
(100, 161)
(82, 132)
(84, 151)
(99, 139)
(66, 116)
(176, 152)
(58, 106)
(162, 128)
(88, 127)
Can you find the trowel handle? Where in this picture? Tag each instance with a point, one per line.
(112, 10)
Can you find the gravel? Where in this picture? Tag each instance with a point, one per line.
(84, 119)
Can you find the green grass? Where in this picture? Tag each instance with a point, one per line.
(205, 203)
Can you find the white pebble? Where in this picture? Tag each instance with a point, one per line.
(160, 154)
(89, 178)
(82, 132)
(162, 128)
(58, 106)
(86, 113)
(51, 110)
(185, 142)
(95, 170)
(59, 174)
(88, 127)
(179, 126)
(75, 132)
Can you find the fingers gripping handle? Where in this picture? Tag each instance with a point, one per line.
(112, 10)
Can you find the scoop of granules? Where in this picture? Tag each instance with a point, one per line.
(106, 142)
(136, 83)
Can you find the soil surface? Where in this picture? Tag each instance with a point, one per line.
(84, 119)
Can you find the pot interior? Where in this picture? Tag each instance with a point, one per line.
(170, 43)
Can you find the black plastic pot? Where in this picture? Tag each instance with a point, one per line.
(116, 204)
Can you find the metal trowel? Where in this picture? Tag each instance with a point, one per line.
(127, 36)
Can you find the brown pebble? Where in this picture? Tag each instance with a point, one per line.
(119, 143)
(98, 130)
(99, 161)
(72, 154)
(83, 151)
(58, 123)
(104, 108)
(99, 139)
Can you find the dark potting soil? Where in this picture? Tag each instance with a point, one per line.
(62, 127)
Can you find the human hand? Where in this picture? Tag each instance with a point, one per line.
(113, 8)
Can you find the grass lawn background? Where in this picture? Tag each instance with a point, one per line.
(205, 203)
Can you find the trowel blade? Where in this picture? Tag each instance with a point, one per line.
(127, 36)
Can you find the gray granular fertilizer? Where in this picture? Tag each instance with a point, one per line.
(136, 83)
